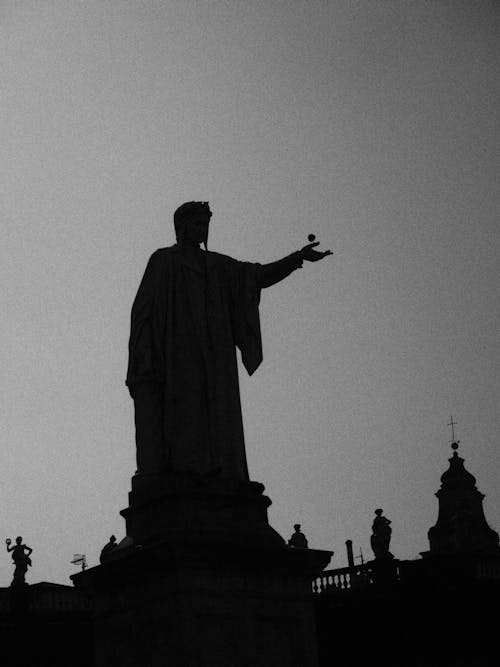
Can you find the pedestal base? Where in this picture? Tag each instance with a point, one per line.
(190, 508)
(206, 582)
(205, 607)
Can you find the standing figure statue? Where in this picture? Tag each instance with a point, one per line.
(193, 309)
(381, 535)
(21, 557)
(298, 540)
(108, 549)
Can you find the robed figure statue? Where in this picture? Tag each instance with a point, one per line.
(381, 535)
(193, 309)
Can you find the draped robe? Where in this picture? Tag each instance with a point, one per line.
(190, 314)
(187, 319)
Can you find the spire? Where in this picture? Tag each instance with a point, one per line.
(461, 526)
(452, 424)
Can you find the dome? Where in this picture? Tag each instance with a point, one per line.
(457, 476)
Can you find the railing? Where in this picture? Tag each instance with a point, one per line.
(69, 600)
(384, 572)
(43, 599)
(342, 579)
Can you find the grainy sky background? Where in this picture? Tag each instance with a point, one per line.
(374, 125)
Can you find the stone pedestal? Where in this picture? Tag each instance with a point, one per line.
(198, 508)
(204, 582)
(384, 571)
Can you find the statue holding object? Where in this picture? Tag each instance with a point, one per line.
(21, 556)
(192, 310)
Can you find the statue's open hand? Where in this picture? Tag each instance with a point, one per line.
(310, 255)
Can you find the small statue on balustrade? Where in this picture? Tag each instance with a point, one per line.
(21, 556)
(381, 535)
(298, 540)
(108, 549)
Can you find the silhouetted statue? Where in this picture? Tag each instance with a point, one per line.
(192, 309)
(298, 539)
(107, 549)
(21, 557)
(381, 536)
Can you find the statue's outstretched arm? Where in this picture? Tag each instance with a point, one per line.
(272, 273)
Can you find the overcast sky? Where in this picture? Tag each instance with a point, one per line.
(374, 125)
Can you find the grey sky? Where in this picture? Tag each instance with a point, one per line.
(375, 126)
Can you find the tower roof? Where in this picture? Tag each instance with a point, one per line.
(461, 526)
(457, 478)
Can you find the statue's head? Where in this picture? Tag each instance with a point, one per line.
(296, 527)
(379, 512)
(191, 222)
(19, 540)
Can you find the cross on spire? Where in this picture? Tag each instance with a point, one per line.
(452, 424)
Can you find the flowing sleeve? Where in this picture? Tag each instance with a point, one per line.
(246, 319)
(251, 278)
